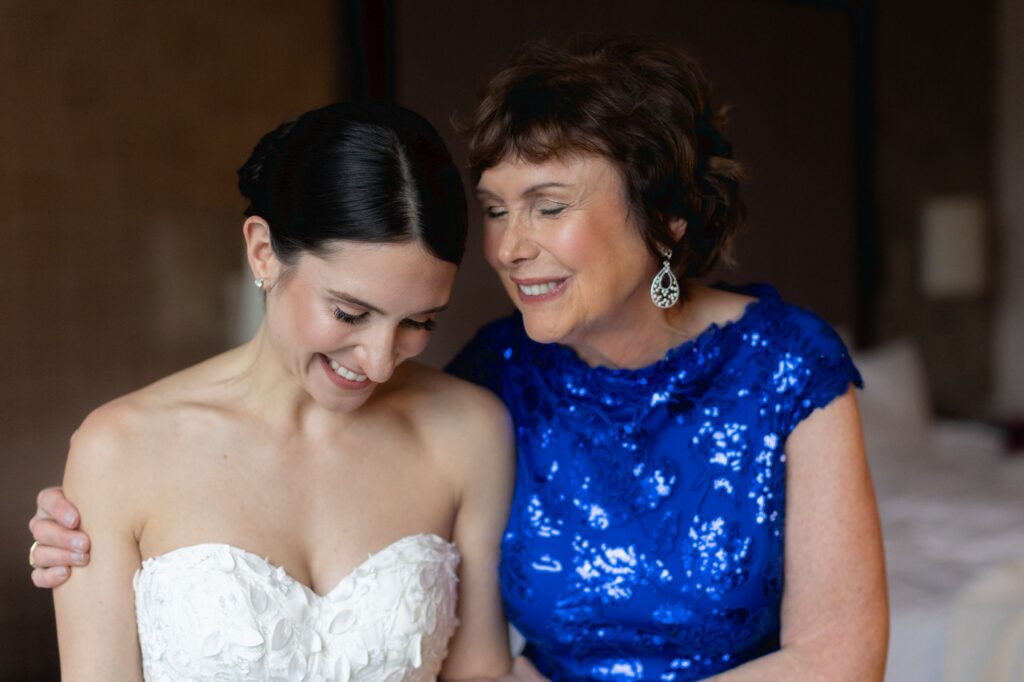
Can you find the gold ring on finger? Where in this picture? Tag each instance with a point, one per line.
(31, 553)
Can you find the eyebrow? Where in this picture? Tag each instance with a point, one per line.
(532, 189)
(341, 296)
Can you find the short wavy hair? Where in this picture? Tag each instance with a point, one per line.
(645, 107)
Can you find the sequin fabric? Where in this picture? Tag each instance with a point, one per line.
(646, 535)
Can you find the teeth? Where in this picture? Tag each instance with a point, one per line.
(538, 289)
(345, 373)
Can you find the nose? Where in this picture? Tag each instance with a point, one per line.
(515, 243)
(376, 353)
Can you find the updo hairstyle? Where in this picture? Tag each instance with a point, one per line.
(364, 172)
(644, 108)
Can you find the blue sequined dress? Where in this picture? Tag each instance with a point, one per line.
(646, 535)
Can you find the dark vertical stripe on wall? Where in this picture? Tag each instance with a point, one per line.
(342, 52)
(868, 266)
(861, 15)
(369, 31)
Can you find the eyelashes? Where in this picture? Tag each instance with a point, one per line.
(550, 212)
(425, 325)
(342, 316)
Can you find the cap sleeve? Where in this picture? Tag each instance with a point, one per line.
(814, 369)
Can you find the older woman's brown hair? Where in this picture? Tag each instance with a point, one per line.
(644, 107)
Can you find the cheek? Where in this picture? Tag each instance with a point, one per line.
(608, 258)
(412, 344)
(492, 240)
(588, 251)
(309, 324)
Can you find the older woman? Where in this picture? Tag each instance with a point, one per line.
(692, 494)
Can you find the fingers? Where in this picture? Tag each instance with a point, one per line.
(49, 534)
(50, 577)
(60, 546)
(52, 504)
(51, 557)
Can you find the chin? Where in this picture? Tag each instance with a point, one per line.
(544, 331)
(335, 401)
(341, 404)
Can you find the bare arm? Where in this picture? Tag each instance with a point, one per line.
(835, 622)
(95, 608)
(485, 474)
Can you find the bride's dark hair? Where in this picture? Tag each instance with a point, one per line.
(365, 172)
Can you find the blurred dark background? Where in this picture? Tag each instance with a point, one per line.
(868, 128)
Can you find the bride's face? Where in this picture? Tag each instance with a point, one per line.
(343, 321)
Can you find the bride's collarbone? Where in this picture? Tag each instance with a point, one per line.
(301, 502)
(312, 534)
(302, 516)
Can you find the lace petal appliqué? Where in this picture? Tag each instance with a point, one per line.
(215, 611)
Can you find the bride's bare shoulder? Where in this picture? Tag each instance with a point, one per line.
(446, 408)
(465, 428)
(439, 394)
(104, 466)
(115, 439)
(142, 423)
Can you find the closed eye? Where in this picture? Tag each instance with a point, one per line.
(552, 211)
(425, 325)
(348, 318)
(495, 212)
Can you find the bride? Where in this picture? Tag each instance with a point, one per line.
(306, 506)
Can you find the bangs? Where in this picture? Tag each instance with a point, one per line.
(538, 121)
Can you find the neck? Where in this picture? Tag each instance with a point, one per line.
(640, 335)
(271, 390)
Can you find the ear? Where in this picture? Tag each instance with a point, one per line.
(678, 228)
(263, 262)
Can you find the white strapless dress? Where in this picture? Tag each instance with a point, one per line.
(217, 612)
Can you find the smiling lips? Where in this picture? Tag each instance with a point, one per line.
(346, 373)
(342, 376)
(539, 289)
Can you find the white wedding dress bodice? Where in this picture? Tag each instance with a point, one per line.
(217, 612)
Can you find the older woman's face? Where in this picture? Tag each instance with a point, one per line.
(560, 237)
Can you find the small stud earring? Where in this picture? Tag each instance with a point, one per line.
(665, 287)
(258, 282)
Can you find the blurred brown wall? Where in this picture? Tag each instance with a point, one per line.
(934, 132)
(122, 124)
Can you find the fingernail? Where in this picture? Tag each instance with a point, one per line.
(78, 557)
(69, 519)
(62, 572)
(78, 543)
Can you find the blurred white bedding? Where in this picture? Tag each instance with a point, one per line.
(952, 508)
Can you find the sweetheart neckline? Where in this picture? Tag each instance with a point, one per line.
(280, 568)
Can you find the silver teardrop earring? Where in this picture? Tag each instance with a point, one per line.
(665, 287)
(258, 282)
